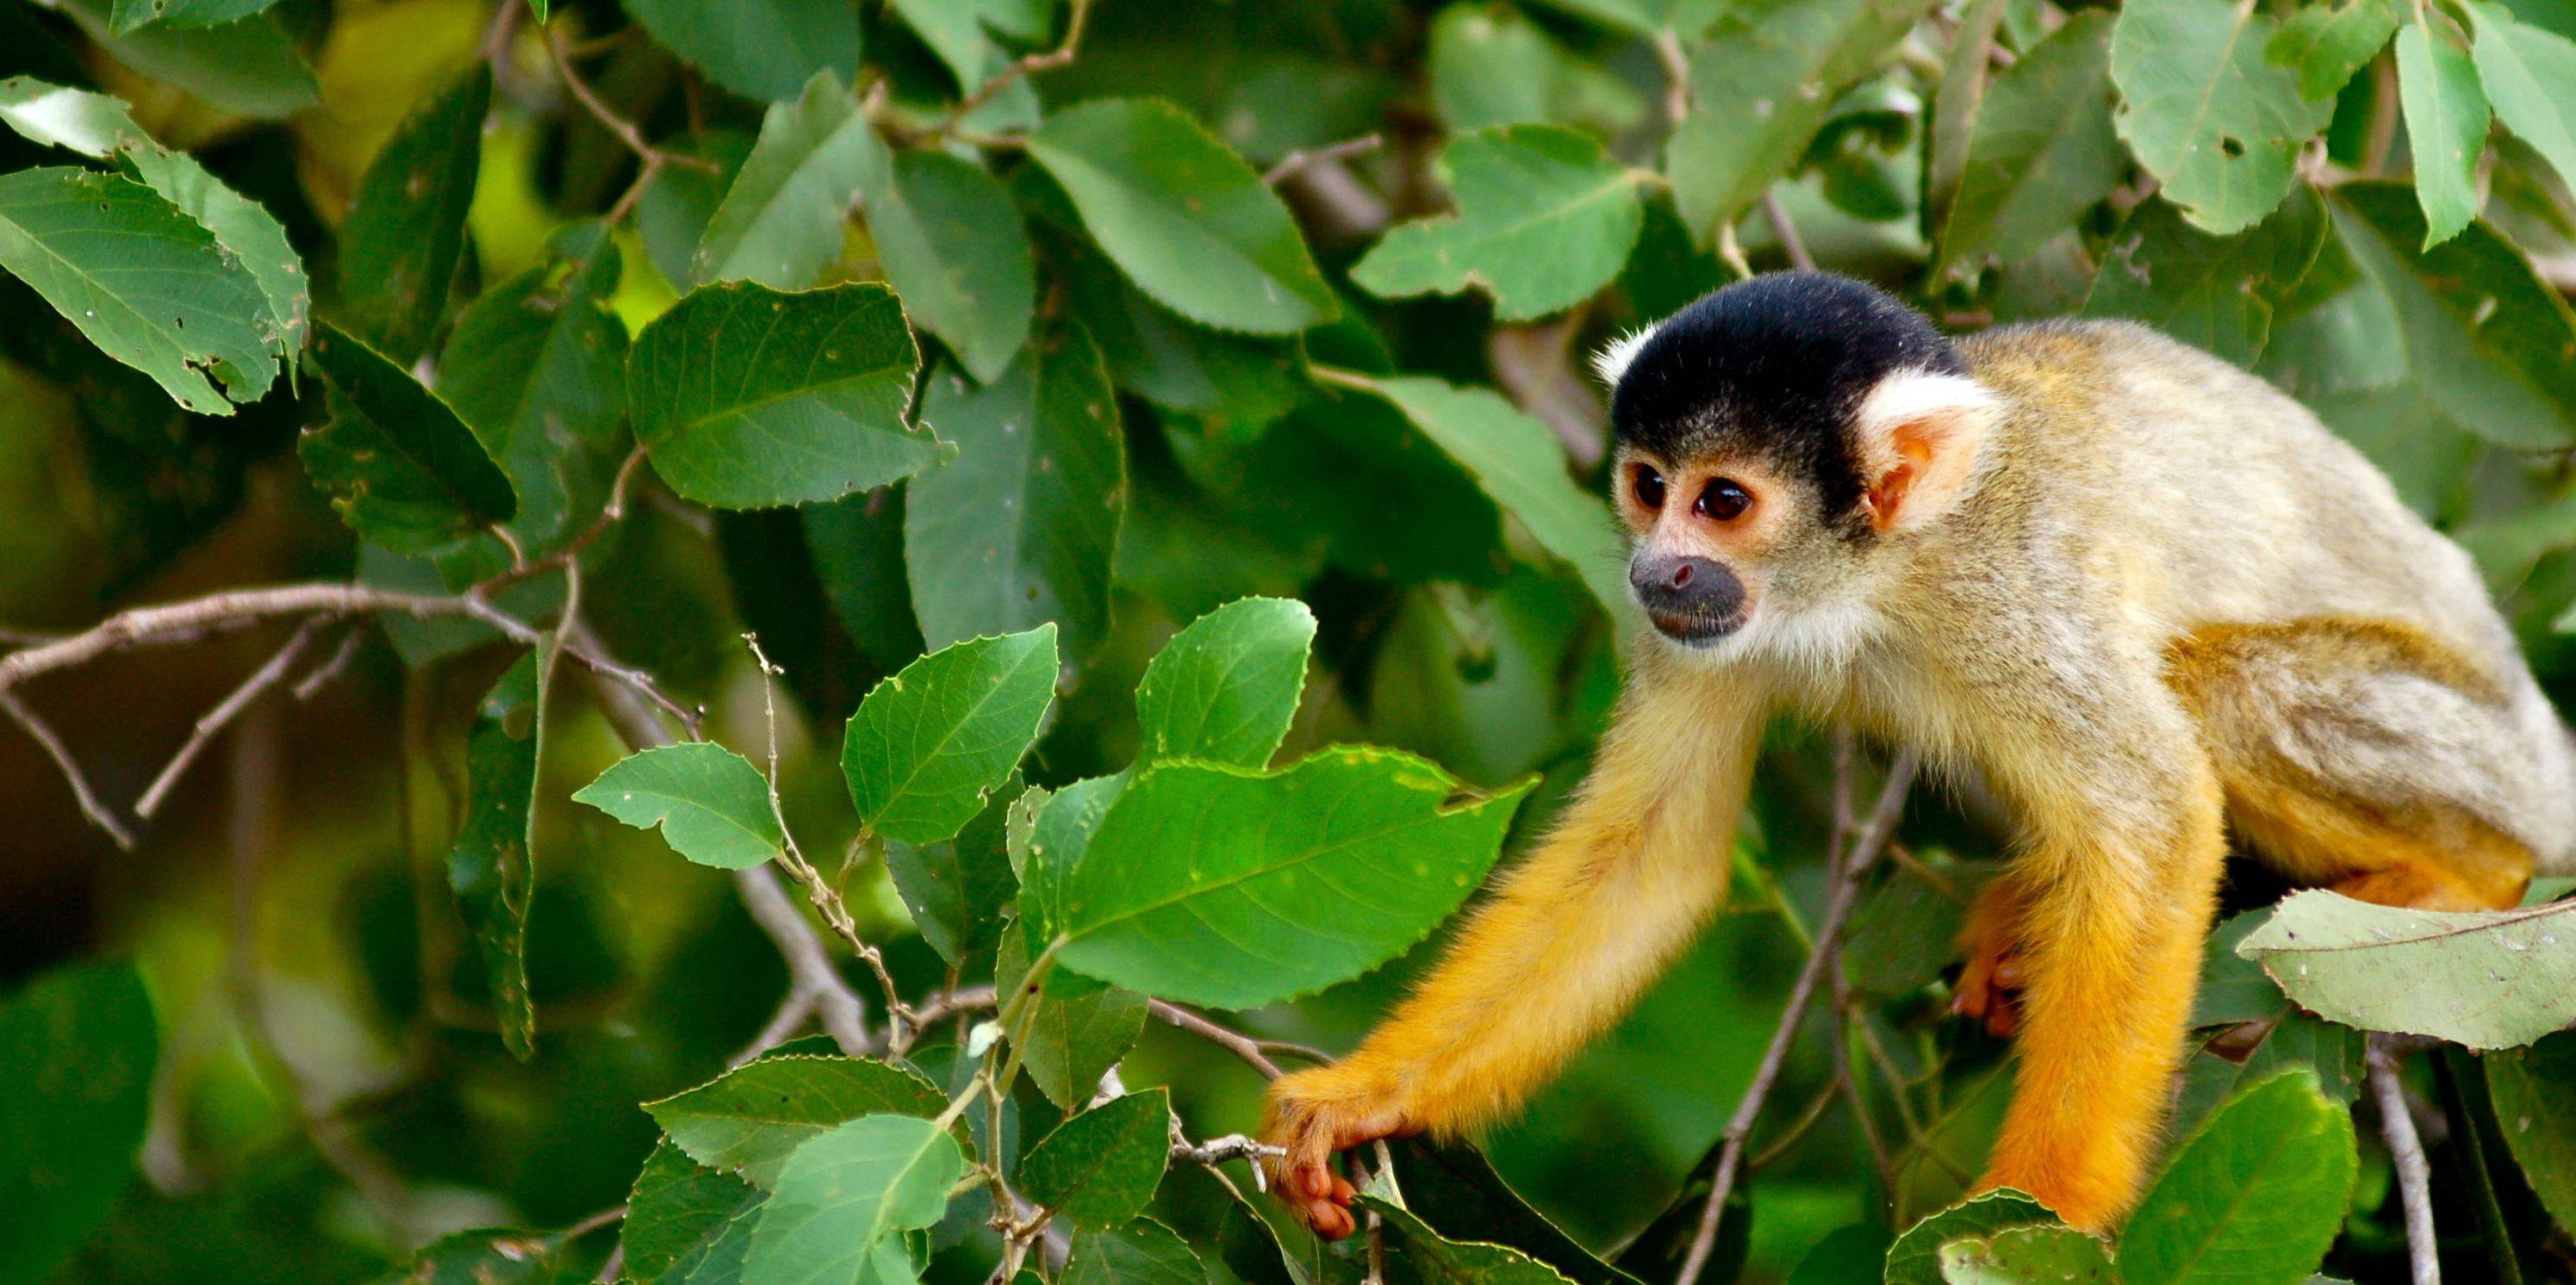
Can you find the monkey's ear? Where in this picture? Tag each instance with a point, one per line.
(1920, 433)
(1612, 361)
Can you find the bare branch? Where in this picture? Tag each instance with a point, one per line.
(215, 720)
(1790, 243)
(1844, 893)
(1676, 64)
(1233, 1146)
(1289, 165)
(2406, 1149)
(322, 675)
(1235, 1042)
(1534, 364)
(90, 806)
(1030, 65)
(790, 1016)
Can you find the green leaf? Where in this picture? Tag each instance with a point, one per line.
(1518, 461)
(954, 30)
(2446, 128)
(1181, 892)
(78, 1045)
(1071, 1040)
(2294, 1041)
(2537, 1116)
(1491, 65)
(951, 242)
(748, 397)
(2027, 1256)
(1183, 216)
(857, 546)
(2487, 979)
(184, 14)
(1761, 86)
(1854, 1253)
(686, 1225)
(2486, 338)
(1100, 1167)
(780, 223)
(843, 1200)
(537, 367)
(2206, 112)
(957, 888)
(1454, 1185)
(97, 125)
(145, 282)
(2256, 1195)
(1466, 1262)
(1051, 843)
(2327, 43)
(761, 49)
(1915, 1258)
(1021, 527)
(2526, 71)
(2042, 150)
(1225, 689)
(482, 1258)
(712, 804)
(751, 1119)
(248, 68)
(929, 743)
(2216, 293)
(1544, 219)
(492, 865)
(1143, 1252)
(2233, 988)
(406, 227)
(398, 464)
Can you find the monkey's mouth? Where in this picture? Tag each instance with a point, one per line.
(1694, 629)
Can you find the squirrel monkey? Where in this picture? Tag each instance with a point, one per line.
(2140, 591)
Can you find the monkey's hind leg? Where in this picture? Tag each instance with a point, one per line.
(2362, 756)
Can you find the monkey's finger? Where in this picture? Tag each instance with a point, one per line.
(1343, 1192)
(2007, 974)
(1329, 1221)
(2002, 1020)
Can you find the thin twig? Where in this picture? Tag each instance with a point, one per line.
(1030, 65)
(1790, 243)
(626, 131)
(322, 675)
(789, 1018)
(1295, 161)
(1838, 904)
(1233, 1146)
(214, 721)
(53, 745)
(1676, 64)
(1235, 1042)
(2406, 1149)
(972, 999)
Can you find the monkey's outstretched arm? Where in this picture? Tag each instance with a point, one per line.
(1569, 939)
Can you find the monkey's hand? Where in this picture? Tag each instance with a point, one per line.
(1989, 988)
(1316, 1113)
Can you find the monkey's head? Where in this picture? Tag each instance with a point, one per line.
(1780, 442)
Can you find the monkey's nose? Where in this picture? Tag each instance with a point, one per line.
(1703, 588)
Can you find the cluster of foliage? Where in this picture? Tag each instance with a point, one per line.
(1110, 428)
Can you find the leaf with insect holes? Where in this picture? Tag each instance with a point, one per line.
(1915, 1258)
(2213, 292)
(2327, 43)
(749, 1120)
(2206, 111)
(2489, 979)
(399, 466)
(492, 866)
(1225, 689)
(712, 804)
(2028, 1256)
(928, 743)
(1100, 1167)
(1180, 893)
(1544, 219)
(151, 286)
(405, 233)
(749, 397)
(1186, 219)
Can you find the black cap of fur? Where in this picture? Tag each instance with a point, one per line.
(1775, 365)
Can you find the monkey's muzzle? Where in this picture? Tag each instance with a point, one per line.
(1689, 599)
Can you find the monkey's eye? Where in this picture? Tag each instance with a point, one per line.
(1724, 500)
(1649, 487)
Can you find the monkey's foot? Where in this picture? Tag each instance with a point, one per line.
(1313, 1114)
(1989, 987)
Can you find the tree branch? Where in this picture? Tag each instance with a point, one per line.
(1293, 163)
(1844, 893)
(90, 806)
(225, 711)
(1030, 65)
(2406, 1149)
(1235, 1042)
